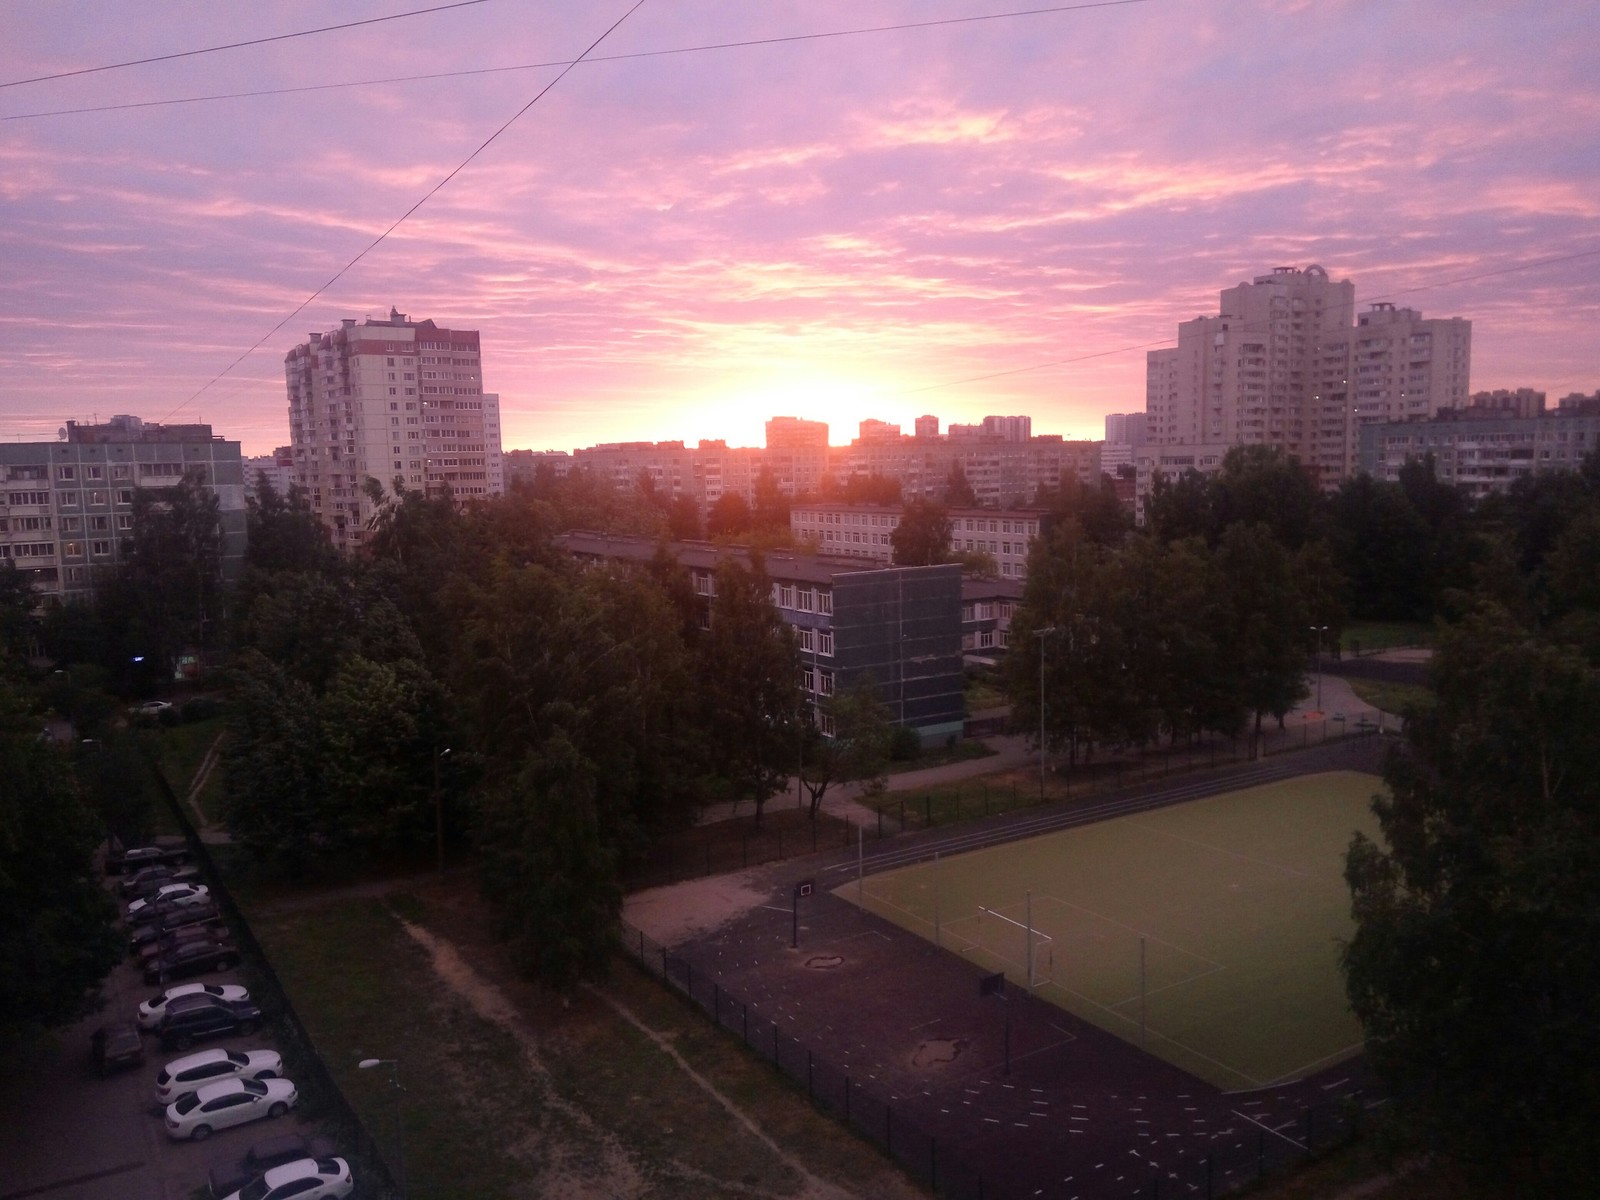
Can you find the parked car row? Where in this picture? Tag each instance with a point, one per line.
(177, 930)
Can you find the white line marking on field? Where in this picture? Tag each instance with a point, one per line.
(1271, 1130)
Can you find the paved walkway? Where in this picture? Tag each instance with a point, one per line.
(1330, 709)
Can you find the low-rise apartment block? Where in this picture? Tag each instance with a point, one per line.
(901, 625)
(865, 531)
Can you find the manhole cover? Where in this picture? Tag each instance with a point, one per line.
(824, 962)
(937, 1050)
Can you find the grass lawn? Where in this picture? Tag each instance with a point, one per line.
(1392, 697)
(1234, 905)
(509, 1093)
(1363, 637)
(183, 749)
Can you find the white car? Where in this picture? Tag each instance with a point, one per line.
(232, 1102)
(152, 1010)
(150, 708)
(303, 1179)
(170, 893)
(194, 1071)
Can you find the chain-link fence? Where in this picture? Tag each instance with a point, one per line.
(1250, 1149)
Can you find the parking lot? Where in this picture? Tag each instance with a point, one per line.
(68, 1134)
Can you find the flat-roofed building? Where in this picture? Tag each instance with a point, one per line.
(390, 400)
(66, 507)
(901, 625)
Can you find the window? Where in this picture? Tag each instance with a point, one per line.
(100, 549)
(806, 640)
(68, 499)
(807, 599)
(786, 595)
(825, 682)
(66, 473)
(824, 602)
(825, 642)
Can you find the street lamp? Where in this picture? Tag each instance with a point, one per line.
(1319, 630)
(366, 1064)
(1041, 634)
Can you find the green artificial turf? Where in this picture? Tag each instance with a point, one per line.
(1235, 904)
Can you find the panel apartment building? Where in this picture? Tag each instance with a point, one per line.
(387, 400)
(1286, 362)
(66, 507)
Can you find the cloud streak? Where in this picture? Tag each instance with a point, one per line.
(679, 247)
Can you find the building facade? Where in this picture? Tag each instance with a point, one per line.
(865, 531)
(66, 507)
(277, 468)
(900, 625)
(1287, 363)
(390, 400)
(1483, 454)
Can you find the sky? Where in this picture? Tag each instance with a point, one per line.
(983, 216)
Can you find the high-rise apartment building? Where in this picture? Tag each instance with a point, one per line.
(394, 400)
(797, 453)
(1287, 363)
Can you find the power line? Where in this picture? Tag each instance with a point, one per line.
(599, 58)
(401, 219)
(1245, 327)
(280, 37)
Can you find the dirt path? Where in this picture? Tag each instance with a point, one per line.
(615, 1174)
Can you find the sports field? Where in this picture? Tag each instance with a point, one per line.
(1208, 931)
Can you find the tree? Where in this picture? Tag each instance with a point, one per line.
(284, 534)
(277, 806)
(859, 748)
(1264, 642)
(18, 626)
(547, 869)
(729, 516)
(957, 491)
(770, 510)
(748, 671)
(923, 536)
(168, 596)
(1476, 956)
(1097, 509)
(1382, 546)
(59, 938)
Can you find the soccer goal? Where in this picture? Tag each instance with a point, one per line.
(1039, 949)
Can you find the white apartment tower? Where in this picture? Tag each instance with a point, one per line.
(391, 400)
(1285, 363)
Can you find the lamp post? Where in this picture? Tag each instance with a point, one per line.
(438, 806)
(1041, 634)
(1319, 630)
(366, 1064)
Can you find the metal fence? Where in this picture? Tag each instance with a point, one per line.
(1250, 1150)
(934, 1164)
(314, 1081)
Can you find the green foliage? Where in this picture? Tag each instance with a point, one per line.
(923, 536)
(747, 668)
(1476, 958)
(957, 491)
(58, 939)
(548, 869)
(18, 624)
(859, 749)
(1096, 509)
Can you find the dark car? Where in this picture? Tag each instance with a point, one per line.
(148, 879)
(116, 1046)
(183, 917)
(214, 931)
(191, 1018)
(228, 1177)
(191, 958)
(164, 852)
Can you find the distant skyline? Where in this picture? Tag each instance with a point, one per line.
(679, 246)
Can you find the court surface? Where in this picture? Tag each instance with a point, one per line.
(1207, 932)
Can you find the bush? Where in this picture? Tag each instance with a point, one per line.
(904, 744)
(201, 708)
